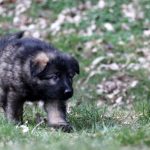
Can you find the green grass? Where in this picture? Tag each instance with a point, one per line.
(106, 127)
(94, 128)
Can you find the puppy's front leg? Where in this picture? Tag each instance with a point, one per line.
(56, 114)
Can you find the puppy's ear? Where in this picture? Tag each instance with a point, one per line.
(39, 63)
(73, 64)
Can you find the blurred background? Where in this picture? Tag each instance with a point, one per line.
(110, 39)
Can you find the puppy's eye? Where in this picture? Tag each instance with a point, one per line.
(53, 76)
(71, 75)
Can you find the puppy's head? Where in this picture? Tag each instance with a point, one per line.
(54, 74)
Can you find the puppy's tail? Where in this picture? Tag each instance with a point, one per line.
(17, 35)
(4, 40)
(13, 36)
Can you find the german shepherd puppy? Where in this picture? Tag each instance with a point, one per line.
(33, 70)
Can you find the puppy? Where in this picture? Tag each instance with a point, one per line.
(33, 70)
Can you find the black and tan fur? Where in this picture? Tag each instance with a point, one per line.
(33, 70)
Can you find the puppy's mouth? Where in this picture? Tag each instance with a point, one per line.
(67, 96)
(60, 96)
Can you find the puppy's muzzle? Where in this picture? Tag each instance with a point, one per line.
(68, 93)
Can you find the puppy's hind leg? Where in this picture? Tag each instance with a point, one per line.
(3, 100)
(14, 108)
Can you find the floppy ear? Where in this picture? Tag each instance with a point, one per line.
(38, 63)
(75, 65)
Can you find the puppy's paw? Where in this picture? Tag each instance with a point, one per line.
(65, 128)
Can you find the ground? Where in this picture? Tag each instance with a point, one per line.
(111, 39)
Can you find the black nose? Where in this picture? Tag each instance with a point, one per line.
(68, 93)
